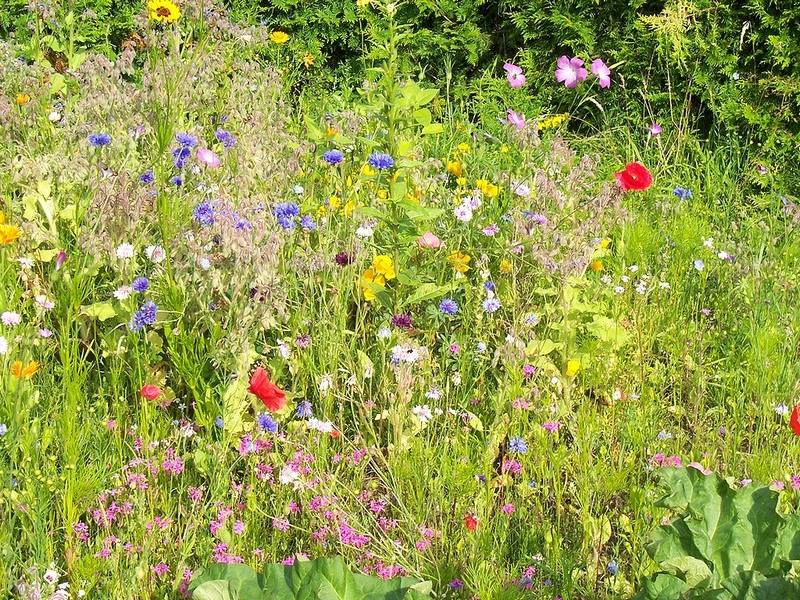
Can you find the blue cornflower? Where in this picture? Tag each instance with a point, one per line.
(177, 180)
(243, 223)
(518, 445)
(3, 429)
(219, 422)
(204, 214)
(489, 286)
(303, 410)
(682, 193)
(181, 154)
(147, 177)
(144, 316)
(380, 161)
(333, 157)
(186, 140)
(286, 213)
(490, 305)
(228, 141)
(613, 567)
(307, 222)
(448, 306)
(267, 423)
(140, 284)
(480, 347)
(99, 139)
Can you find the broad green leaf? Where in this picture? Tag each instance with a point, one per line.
(235, 403)
(607, 331)
(213, 590)
(539, 347)
(101, 311)
(422, 116)
(419, 213)
(691, 570)
(433, 129)
(428, 291)
(227, 581)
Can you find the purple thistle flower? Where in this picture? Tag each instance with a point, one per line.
(401, 321)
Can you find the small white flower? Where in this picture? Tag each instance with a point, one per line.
(664, 285)
(298, 189)
(625, 278)
(782, 409)
(723, 255)
(25, 262)
(699, 265)
(321, 426)
(708, 243)
(384, 333)
(125, 251)
(123, 293)
(617, 395)
(44, 303)
(283, 350)
(633, 268)
(3, 345)
(456, 379)
(326, 383)
(204, 263)
(463, 213)
(10, 319)
(365, 231)
(50, 576)
(434, 393)
(155, 253)
(606, 279)
(522, 190)
(54, 116)
(288, 475)
(423, 413)
(619, 290)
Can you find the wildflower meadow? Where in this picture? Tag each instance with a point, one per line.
(268, 332)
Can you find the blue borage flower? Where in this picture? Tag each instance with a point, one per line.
(682, 193)
(380, 161)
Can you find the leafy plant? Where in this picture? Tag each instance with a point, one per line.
(724, 544)
(320, 578)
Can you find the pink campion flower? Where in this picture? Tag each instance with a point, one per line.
(655, 129)
(516, 119)
(208, 158)
(514, 76)
(429, 240)
(602, 72)
(570, 71)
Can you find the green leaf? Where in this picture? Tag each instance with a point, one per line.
(227, 581)
(101, 311)
(433, 129)
(428, 291)
(213, 590)
(422, 116)
(418, 213)
(608, 331)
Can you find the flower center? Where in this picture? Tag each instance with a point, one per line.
(163, 11)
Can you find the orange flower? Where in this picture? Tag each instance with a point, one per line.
(596, 266)
(26, 372)
(22, 99)
(9, 233)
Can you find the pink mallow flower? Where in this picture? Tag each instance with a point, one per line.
(602, 72)
(655, 129)
(208, 158)
(570, 71)
(514, 76)
(516, 119)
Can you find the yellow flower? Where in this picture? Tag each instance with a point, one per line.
(334, 202)
(552, 122)
(461, 181)
(371, 276)
(454, 167)
(464, 147)
(2, 217)
(163, 10)
(322, 210)
(504, 148)
(505, 266)
(383, 194)
(348, 208)
(459, 261)
(604, 243)
(382, 265)
(308, 60)
(367, 171)
(412, 198)
(596, 265)
(279, 37)
(22, 99)
(26, 372)
(332, 131)
(9, 233)
(573, 366)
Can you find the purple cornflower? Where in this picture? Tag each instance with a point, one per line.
(228, 141)
(518, 445)
(456, 583)
(307, 222)
(181, 154)
(146, 315)
(489, 286)
(267, 423)
(204, 214)
(342, 259)
(491, 305)
(401, 321)
(147, 177)
(186, 140)
(140, 284)
(448, 306)
(333, 157)
(380, 161)
(304, 410)
(177, 180)
(682, 193)
(99, 140)
(286, 213)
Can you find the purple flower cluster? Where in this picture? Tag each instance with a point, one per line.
(99, 139)
(204, 214)
(380, 161)
(286, 213)
(333, 157)
(228, 141)
(146, 315)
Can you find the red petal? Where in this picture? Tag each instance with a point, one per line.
(794, 422)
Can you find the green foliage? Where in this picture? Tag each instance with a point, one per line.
(320, 578)
(724, 543)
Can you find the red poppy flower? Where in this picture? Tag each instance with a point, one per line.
(150, 392)
(270, 394)
(794, 422)
(470, 521)
(634, 177)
